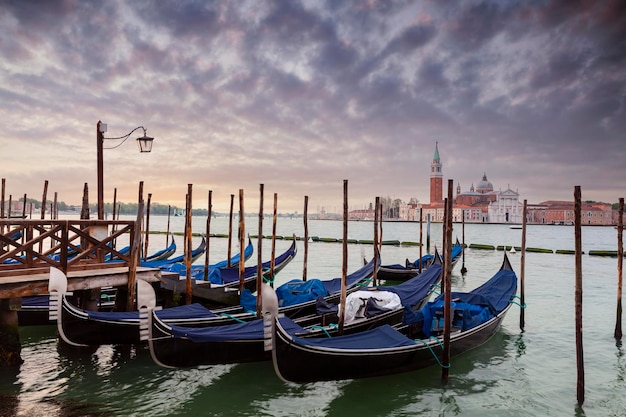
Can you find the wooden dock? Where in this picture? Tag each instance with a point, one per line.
(81, 249)
(18, 286)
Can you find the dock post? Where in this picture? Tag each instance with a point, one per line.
(10, 347)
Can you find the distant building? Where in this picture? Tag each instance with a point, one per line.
(482, 204)
(367, 214)
(562, 213)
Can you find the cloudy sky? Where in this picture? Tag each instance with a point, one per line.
(300, 95)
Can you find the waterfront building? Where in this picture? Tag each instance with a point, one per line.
(481, 204)
(562, 213)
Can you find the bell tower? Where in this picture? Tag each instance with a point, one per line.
(436, 178)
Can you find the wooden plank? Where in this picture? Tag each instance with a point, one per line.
(37, 284)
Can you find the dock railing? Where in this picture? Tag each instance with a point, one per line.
(33, 246)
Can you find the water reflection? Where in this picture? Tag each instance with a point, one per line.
(474, 374)
(521, 345)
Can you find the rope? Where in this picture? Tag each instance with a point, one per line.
(322, 329)
(432, 352)
(364, 283)
(231, 317)
(517, 304)
(433, 291)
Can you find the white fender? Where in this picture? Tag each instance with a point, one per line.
(145, 295)
(269, 307)
(146, 303)
(57, 287)
(57, 281)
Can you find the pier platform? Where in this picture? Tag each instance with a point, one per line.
(18, 286)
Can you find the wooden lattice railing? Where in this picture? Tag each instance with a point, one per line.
(33, 246)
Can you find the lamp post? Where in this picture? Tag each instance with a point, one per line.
(144, 143)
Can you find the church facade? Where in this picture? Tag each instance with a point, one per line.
(481, 204)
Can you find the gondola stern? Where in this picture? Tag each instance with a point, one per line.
(57, 287)
(147, 326)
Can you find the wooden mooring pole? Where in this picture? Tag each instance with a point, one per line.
(447, 278)
(43, 200)
(523, 268)
(463, 268)
(259, 264)
(344, 259)
(375, 245)
(208, 237)
(273, 258)
(421, 234)
(188, 246)
(306, 238)
(147, 231)
(620, 263)
(242, 242)
(230, 229)
(135, 252)
(428, 233)
(578, 299)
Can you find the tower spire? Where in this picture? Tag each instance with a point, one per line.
(436, 178)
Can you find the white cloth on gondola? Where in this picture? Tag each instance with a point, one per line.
(356, 302)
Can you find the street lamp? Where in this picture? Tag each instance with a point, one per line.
(144, 143)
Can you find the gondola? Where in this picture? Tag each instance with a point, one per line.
(398, 272)
(387, 350)
(163, 254)
(78, 327)
(81, 327)
(180, 346)
(298, 298)
(222, 287)
(34, 310)
(195, 254)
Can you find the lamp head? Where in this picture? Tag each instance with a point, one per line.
(145, 143)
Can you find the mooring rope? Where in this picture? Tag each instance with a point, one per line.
(432, 351)
(322, 328)
(232, 317)
(516, 303)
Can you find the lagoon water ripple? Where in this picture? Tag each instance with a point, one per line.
(529, 373)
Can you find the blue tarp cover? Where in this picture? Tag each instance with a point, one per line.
(414, 290)
(241, 331)
(425, 259)
(384, 336)
(36, 301)
(290, 293)
(476, 307)
(298, 291)
(187, 311)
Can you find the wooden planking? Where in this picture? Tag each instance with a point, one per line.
(37, 284)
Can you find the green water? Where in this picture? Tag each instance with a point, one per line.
(530, 373)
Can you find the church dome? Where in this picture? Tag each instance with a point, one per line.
(484, 186)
